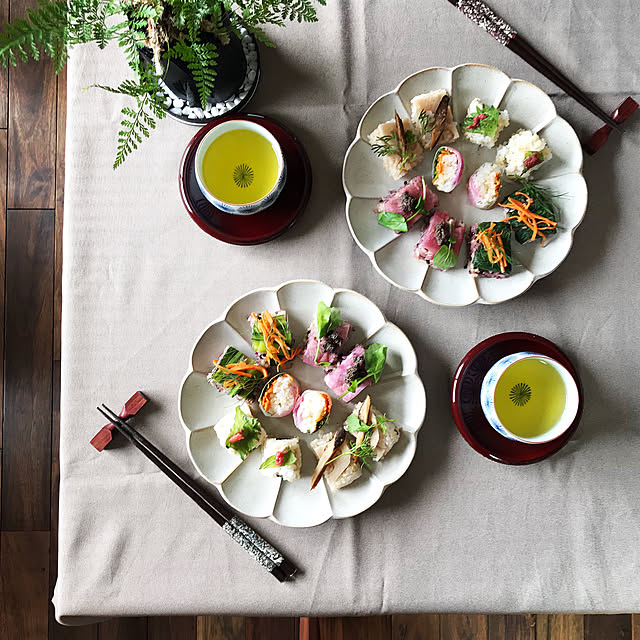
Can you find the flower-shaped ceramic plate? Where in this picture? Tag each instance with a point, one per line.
(365, 182)
(400, 394)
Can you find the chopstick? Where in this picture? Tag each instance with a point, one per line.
(478, 12)
(266, 555)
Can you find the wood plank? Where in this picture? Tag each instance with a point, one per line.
(28, 371)
(4, 79)
(61, 129)
(635, 626)
(171, 628)
(425, 626)
(601, 627)
(511, 627)
(360, 628)
(24, 585)
(3, 231)
(463, 627)
(123, 629)
(271, 628)
(220, 628)
(32, 129)
(560, 627)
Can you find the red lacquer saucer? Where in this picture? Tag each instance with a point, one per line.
(265, 225)
(465, 399)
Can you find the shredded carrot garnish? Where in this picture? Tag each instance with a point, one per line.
(277, 349)
(533, 221)
(240, 369)
(492, 243)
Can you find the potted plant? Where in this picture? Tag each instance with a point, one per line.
(197, 39)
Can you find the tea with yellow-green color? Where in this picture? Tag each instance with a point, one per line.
(530, 397)
(240, 167)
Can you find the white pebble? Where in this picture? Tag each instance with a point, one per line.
(236, 101)
(167, 102)
(243, 95)
(199, 113)
(192, 116)
(187, 111)
(208, 115)
(229, 104)
(220, 105)
(246, 38)
(252, 75)
(252, 47)
(178, 103)
(176, 111)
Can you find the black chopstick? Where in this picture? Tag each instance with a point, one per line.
(266, 555)
(477, 11)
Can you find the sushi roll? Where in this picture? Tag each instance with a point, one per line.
(441, 241)
(447, 169)
(333, 333)
(335, 462)
(524, 152)
(240, 432)
(396, 142)
(490, 250)
(484, 123)
(373, 428)
(311, 410)
(282, 459)
(357, 371)
(279, 396)
(236, 374)
(271, 338)
(484, 185)
(423, 110)
(402, 208)
(532, 213)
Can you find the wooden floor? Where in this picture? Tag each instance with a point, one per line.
(32, 129)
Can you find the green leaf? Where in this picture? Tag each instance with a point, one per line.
(486, 127)
(354, 424)
(375, 355)
(327, 319)
(270, 462)
(393, 221)
(251, 431)
(480, 257)
(445, 258)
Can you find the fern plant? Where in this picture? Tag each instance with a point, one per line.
(172, 29)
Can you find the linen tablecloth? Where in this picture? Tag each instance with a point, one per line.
(457, 532)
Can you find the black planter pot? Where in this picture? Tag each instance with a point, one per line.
(234, 86)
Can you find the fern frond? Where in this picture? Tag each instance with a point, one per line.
(201, 60)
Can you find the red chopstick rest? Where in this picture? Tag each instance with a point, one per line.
(624, 111)
(131, 408)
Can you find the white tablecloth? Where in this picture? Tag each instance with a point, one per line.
(458, 532)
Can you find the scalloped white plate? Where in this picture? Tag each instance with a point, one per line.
(365, 182)
(400, 394)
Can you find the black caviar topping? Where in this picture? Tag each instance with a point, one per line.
(442, 232)
(356, 370)
(408, 203)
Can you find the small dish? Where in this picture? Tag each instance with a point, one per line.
(467, 409)
(269, 223)
(249, 208)
(500, 368)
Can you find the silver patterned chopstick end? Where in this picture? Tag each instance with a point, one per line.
(485, 17)
(258, 547)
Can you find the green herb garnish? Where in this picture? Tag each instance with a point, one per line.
(375, 355)
(251, 431)
(397, 222)
(390, 145)
(363, 451)
(354, 424)
(486, 127)
(426, 126)
(270, 462)
(327, 319)
(446, 257)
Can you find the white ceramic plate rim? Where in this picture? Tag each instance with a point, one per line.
(223, 319)
(350, 196)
